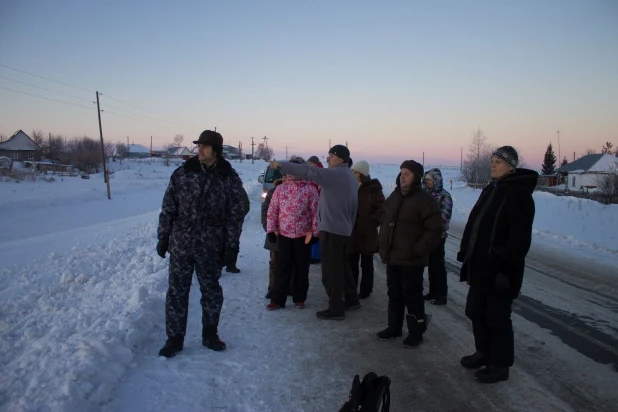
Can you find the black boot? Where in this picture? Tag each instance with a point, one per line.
(171, 348)
(416, 329)
(429, 296)
(211, 340)
(232, 269)
(475, 361)
(395, 324)
(492, 374)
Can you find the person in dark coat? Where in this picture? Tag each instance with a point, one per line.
(412, 227)
(493, 251)
(268, 244)
(364, 240)
(316, 256)
(199, 224)
(231, 265)
(438, 286)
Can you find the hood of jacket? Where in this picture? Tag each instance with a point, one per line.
(438, 183)
(524, 178)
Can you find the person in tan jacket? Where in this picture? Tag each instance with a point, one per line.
(411, 229)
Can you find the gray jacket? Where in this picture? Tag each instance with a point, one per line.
(339, 197)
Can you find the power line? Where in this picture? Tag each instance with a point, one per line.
(131, 118)
(46, 98)
(49, 90)
(139, 114)
(46, 78)
(141, 108)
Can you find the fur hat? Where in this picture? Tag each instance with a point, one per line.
(361, 167)
(416, 168)
(297, 160)
(313, 159)
(214, 139)
(340, 151)
(508, 154)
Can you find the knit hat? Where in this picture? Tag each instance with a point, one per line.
(214, 139)
(361, 167)
(340, 151)
(508, 154)
(313, 159)
(415, 168)
(297, 159)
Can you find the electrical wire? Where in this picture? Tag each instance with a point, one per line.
(49, 90)
(46, 98)
(146, 110)
(46, 78)
(139, 114)
(132, 118)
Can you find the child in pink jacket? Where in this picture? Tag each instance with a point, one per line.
(292, 221)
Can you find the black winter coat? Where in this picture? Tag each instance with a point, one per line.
(498, 233)
(369, 215)
(202, 211)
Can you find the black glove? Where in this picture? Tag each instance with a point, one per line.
(162, 246)
(502, 282)
(272, 238)
(461, 255)
(314, 240)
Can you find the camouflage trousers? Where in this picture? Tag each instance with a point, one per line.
(177, 300)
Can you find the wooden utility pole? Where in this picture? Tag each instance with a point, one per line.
(151, 148)
(265, 141)
(240, 151)
(252, 151)
(286, 152)
(105, 177)
(423, 160)
(461, 159)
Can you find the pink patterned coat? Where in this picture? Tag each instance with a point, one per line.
(293, 209)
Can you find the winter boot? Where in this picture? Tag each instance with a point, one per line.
(475, 361)
(492, 374)
(429, 296)
(232, 269)
(395, 324)
(171, 348)
(330, 315)
(416, 328)
(211, 340)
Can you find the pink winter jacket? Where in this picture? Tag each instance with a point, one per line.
(293, 209)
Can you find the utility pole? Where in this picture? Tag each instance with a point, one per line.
(286, 152)
(105, 177)
(329, 146)
(127, 143)
(423, 161)
(240, 151)
(265, 141)
(150, 148)
(252, 151)
(559, 158)
(461, 159)
(215, 128)
(573, 156)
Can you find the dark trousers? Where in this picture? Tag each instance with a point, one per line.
(405, 290)
(208, 273)
(437, 271)
(336, 274)
(366, 265)
(490, 313)
(294, 256)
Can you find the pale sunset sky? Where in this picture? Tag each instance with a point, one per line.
(393, 79)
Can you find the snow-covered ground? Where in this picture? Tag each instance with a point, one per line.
(82, 294)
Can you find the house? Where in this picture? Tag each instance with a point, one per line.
(585, 172)
(230, 152)
(180, 153)
(20, 147)
(137, 151)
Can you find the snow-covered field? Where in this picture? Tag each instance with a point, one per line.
(82, 289)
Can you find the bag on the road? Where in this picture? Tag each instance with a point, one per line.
(372, 394)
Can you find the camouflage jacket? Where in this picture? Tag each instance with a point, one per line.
(202, 206)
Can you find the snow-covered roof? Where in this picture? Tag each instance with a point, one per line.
(178, 151)
(138, 148)
(592, 163)
(19, 141)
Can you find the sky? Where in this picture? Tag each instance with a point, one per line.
(394, 80)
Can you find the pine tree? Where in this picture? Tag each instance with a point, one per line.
(564, 162)
(549, 162)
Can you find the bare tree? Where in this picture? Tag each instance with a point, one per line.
(110, 151)
(121, 150)
(53, 148)
(167, 156)
(477, 166)
(84, 153)
(607, 148)
(590, 151)
(178, 140)
(37, 136)
(264, 152)
(607, 184)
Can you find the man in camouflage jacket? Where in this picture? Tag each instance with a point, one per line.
(200, 224)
